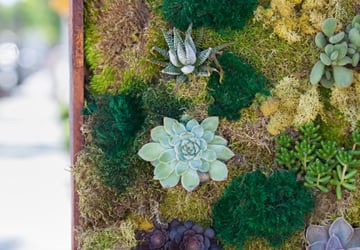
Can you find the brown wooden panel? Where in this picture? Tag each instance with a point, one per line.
(77, 99)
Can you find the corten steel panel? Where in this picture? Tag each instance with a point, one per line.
(77, 99)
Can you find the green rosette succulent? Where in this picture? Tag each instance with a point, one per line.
(187, 152)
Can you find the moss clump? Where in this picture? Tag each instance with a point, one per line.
(114, 124)
(114, 39)
(184, 206)
(117, 236)
(298, 103)
(254, 205)
(98, 204)
(237, 89)
(347, 101)
(292, 20)
(160, 103)
(218, 14)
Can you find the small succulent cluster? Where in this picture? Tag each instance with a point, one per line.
(188, 152)
(185, 58)
(340, 235)
(339, 50)
(177, 236)
(322, 163)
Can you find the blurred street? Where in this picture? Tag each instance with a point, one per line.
(34, 176)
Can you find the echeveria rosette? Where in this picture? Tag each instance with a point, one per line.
(183, 152)
(339, 236)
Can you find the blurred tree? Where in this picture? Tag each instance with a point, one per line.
(31, 14)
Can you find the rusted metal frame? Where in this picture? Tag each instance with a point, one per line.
(76, 101)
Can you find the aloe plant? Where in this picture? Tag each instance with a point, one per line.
(340, 235)
(184, 58)
(187, 152)
(338, 50)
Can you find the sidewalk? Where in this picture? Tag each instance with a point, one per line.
(34, 176)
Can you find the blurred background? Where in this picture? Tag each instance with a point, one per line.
(34, 97)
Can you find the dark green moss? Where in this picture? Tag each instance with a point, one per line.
(254, 205)
(114, 125)
(218, 14)
(237, 89)
(160, 103)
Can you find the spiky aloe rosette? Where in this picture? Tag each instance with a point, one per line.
(184, 152)
(184, 58)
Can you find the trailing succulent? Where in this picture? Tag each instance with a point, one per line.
(184, 58)
(340, 235)
(254, 205)
(177, 236)
(322, 163)
(339, 50)
(187, 152)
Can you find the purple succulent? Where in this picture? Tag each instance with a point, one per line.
(177, 236)
(339, 236)
(189, 236)
(155, 239)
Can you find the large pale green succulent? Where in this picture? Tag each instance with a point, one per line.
(187, 152)
(184, 58)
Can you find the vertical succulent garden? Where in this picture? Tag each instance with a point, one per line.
(220, 125)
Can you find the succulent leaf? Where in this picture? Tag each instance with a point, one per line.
(190, 180)
(342, 229)
(337, 38)
(170, 181)
(325, 59)
(317, 72)
(222, 152)
(354, 36)
(190, 54)
(334, 243)
(218, 171)
(151, 151)
(315, 233)
(320, 40)
(329, 26)
(210, 123)
(162, 171)
(355, 59)
(171, 70)
(343, 77)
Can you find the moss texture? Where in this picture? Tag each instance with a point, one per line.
(254, 205)
(277, 51)
(218, 14)
(114, 40)
(236, 89)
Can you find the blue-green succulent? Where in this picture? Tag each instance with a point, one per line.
(187, 152)
(339, 51)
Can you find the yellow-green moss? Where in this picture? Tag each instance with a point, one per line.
(298, 103)
(114, 40)
(117, 236)
(294, 20)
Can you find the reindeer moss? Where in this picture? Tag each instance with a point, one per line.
(218, 14)
(236, 90)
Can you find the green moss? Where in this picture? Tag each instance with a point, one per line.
(237, 89)
(218, 14)
(114, 125)
(160, 103)
(184, 206)
(268, 54)
(112, 42)
(254, 205)
(117, 236)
